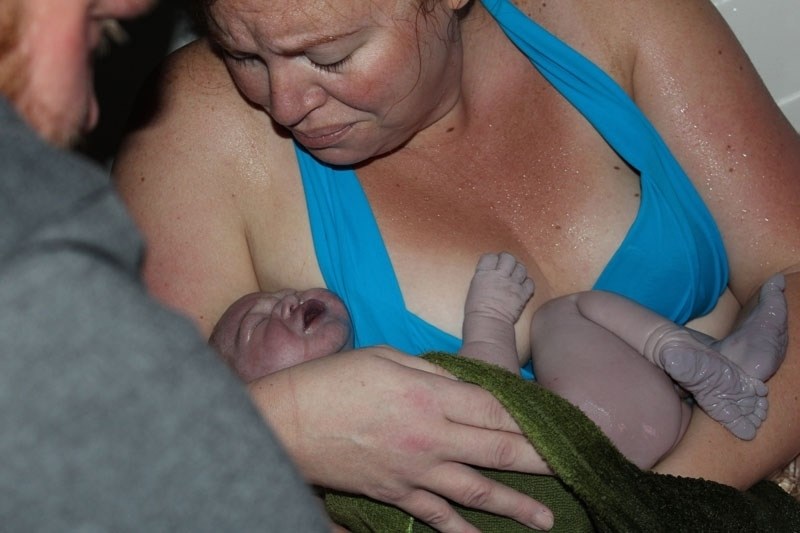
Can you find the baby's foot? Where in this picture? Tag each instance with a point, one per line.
(719, 387)
(500, 288)
(758, 344)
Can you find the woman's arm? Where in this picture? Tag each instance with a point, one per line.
(694, 81)
(373, 422)
(177, 173)
(401, 430)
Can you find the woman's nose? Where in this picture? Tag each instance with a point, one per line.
(294, 93)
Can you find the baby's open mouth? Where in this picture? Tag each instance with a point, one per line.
(312, 309)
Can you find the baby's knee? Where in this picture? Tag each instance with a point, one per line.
(641, 414)
(557, 310)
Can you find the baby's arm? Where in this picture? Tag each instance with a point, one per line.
(497, 295)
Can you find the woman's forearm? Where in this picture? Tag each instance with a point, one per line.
(401, 430)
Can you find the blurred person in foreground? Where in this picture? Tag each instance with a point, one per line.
(114, 415)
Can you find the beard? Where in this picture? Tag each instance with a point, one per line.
(51, 125)
(15, 80)
(13, 74)
(55, 126)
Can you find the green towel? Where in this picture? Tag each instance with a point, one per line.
(595, 488)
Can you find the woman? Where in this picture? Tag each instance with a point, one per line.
(461, 146)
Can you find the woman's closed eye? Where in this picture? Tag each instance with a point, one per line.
(244, 59)
(241, 58)
(334, 67)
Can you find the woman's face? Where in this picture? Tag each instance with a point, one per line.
(350, 79)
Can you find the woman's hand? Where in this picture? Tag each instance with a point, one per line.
(403, 431)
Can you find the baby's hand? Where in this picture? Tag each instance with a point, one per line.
(500, 288)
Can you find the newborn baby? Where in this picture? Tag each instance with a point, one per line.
(587, 347)
(263, 332)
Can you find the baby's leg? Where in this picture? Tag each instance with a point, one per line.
(497, 295)
(725, 391)
(634, 402)
(758, 344)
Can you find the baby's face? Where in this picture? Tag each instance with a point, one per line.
(264, 332)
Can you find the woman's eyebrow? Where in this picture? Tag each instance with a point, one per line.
(317, 41)
(223, 39)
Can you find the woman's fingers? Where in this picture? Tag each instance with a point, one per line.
(495, 450)
(470, 405)
(409, 361)
(463, 485)
(466, 403)
(401, 435)
(434, 511)
(477, 416)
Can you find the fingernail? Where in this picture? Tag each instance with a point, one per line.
(543, 520)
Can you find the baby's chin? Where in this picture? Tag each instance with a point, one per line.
(331, 344)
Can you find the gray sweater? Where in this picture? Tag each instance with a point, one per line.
(114, 414)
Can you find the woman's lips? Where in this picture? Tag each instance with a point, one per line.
(322, 138)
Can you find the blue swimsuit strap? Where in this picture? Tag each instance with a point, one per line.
(355, 263)
(669, 201)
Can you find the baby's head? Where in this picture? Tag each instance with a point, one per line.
(263, 332)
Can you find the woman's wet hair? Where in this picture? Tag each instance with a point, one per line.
(199, 11)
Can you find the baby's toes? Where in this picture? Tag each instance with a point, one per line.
(727, 413)
(761, 408)
(760, 387)
(519, 274)
(754, 420)
(776, 283)
(488, 262)
(743, 428)
(528, 288)
(506, 264)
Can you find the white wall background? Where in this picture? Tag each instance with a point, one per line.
(769, 30)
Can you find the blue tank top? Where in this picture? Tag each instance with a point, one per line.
(672, 259)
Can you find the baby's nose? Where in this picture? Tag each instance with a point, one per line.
(287, 304)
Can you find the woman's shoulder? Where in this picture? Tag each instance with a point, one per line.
(616, 34)
(605, 31)
(192, 90)
(190, 117)
(196, 161)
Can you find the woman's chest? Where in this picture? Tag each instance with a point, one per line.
(561, 204)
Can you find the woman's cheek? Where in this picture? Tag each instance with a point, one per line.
(253, 84)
